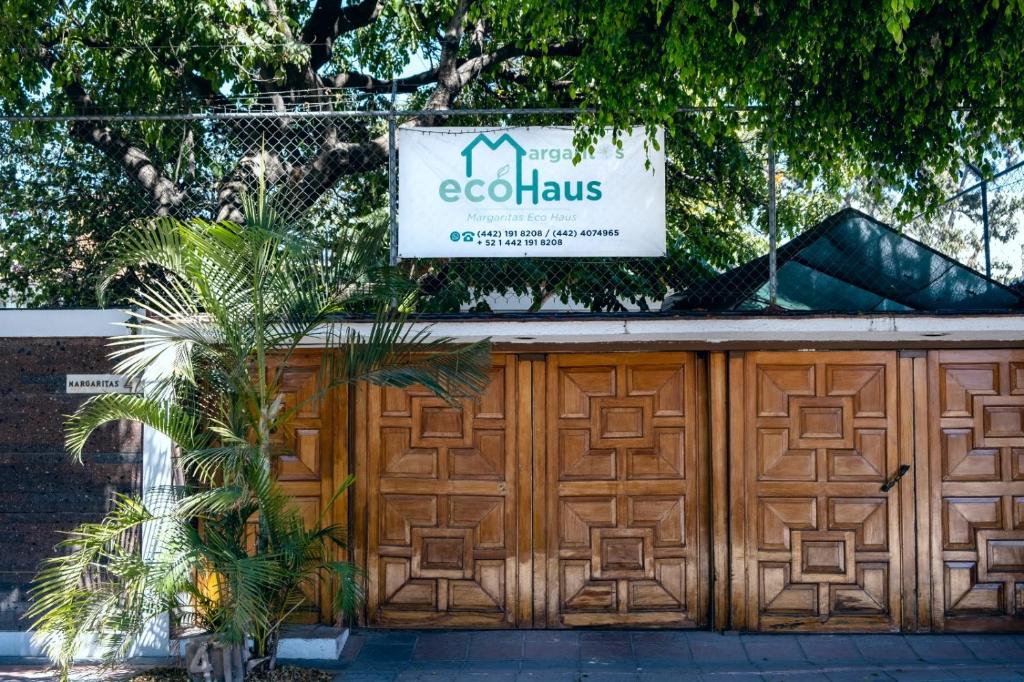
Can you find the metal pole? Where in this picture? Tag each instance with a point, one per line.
(984, 228)
(392, 183)
(984, 215)
(773, 282)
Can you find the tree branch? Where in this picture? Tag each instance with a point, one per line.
(301, 186)
(448, 81)
(243, 178)
(167, 198)
(330, 20)
(165, 195)
(466, 70)
(203, 88)
(336, 159)
(369, 84)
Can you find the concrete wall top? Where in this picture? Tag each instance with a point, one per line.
(811, 330)
(15, 323)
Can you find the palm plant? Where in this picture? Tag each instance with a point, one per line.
(225, 308)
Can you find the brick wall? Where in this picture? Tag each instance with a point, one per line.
(41, 491)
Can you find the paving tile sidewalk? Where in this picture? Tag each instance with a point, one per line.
(647, 656)
(639, 656)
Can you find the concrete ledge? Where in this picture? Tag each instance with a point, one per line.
(720, 332)
(807, 331)
(24, 644)
(299, 643)
(312, 642)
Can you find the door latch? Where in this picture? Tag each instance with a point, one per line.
(891, 483)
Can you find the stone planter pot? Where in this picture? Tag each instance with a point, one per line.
(210, 661)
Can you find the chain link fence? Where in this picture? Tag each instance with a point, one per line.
(69, 183)
(980, 224)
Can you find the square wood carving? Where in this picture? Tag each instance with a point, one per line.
(622, 422)
(1000, 555)
(998, 420)
(622, 553)
(821, 422)
(435, 423)
(442, 553)
(823, 557)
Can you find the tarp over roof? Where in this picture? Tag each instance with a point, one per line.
(851, 262)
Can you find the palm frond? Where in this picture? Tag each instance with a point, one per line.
(158, 243)
(181, 426)
(212, 502)
(350, 594)
(99, 587)
(207, 465)
(396, 354)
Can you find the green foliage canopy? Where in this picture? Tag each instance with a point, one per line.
(899, 93)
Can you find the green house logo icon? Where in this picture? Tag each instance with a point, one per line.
(505, 138)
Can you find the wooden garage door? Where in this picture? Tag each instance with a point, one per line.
(976, 443)
(440, 502)
(570, 494)
(814, 437)
(625, 519)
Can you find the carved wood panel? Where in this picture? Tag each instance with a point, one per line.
(304, 463)
(625, 517)
(976, 443)
(441, 506)
(821, 541)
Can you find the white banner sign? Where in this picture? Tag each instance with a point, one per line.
(479, 192)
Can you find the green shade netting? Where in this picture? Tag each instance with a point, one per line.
(852, 263)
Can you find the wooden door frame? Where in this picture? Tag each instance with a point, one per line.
(531, 402)
(717, 397)
(706, 588)
(359, 414)
(913, 435)
(736, 469)
(341, 439)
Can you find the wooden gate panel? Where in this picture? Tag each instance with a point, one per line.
(441, 506)
(976, 441)
(304, 465)
(822, 542)
(625, 521)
